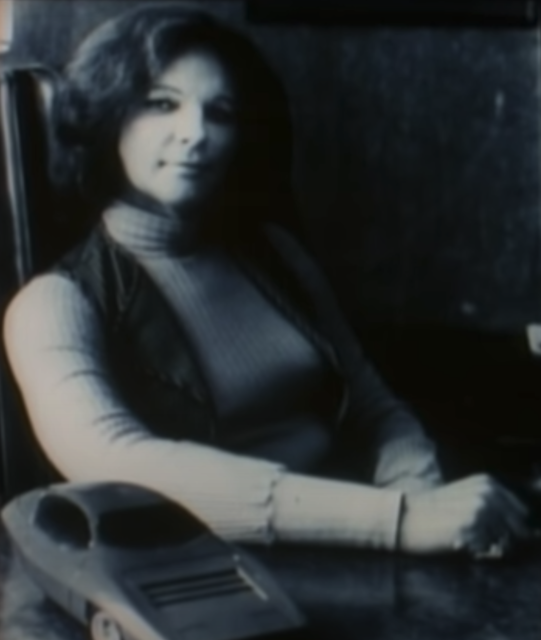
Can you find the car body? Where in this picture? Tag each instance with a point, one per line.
(155, 570)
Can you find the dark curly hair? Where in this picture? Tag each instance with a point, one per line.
(112, 72)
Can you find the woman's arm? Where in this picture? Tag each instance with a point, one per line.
(55, 345)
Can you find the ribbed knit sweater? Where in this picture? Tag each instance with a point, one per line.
(56, 349)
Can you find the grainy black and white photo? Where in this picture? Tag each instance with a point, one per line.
(270, 290)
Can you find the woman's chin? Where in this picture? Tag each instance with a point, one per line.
(186, 200)
(187, 197)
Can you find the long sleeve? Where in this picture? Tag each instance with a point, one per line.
(55, 345)
(402, 453)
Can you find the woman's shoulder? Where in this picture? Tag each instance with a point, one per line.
(49, 316)
(54, 292)
(43, 288)
(47, 293)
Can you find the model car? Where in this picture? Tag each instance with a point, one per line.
(133, 565)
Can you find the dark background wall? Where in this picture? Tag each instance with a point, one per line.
(417, 156)
(417, 169)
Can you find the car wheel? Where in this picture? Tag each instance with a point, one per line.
(103, 627)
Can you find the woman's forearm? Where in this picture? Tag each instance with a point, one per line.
(241, 498)
(318, 510)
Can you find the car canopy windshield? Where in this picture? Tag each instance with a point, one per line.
(148, 526)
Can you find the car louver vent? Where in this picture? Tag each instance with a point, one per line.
(201, 587)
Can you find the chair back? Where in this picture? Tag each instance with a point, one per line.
(29, 241)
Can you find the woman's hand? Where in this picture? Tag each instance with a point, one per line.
(409, 465)
(476, 515)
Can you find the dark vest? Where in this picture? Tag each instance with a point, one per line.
(151, 359)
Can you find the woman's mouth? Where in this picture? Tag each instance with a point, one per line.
(188, 169)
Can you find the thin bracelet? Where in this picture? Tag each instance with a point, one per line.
(399, 521)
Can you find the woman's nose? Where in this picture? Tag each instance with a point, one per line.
(191, 126)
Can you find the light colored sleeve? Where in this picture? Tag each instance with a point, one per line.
(55, 345)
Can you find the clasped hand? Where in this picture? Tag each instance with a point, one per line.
(476, 515)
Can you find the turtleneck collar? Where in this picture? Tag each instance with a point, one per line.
(145, 232)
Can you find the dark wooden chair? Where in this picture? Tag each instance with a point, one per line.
(29, 239)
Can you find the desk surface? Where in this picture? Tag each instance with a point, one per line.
(347, 595)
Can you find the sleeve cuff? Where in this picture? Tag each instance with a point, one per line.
(315, 510)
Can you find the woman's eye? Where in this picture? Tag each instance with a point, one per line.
(164, 105)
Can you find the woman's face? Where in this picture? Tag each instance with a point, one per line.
(179, 145)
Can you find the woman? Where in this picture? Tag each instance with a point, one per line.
(189, 344)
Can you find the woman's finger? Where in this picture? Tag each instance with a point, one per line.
(499, 524)
(486, 545)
